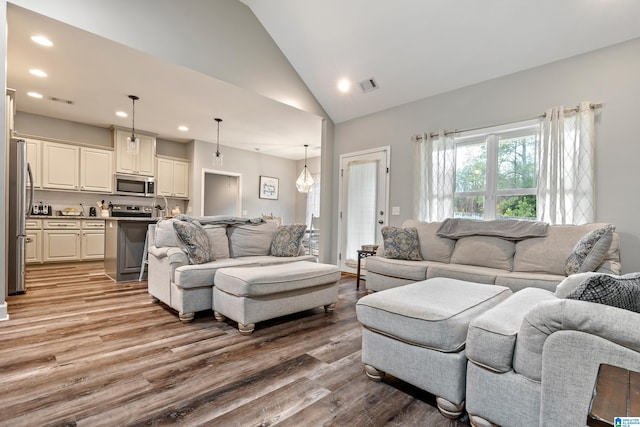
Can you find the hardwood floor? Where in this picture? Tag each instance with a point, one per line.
(79, 349)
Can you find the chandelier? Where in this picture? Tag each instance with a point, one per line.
(304, 181)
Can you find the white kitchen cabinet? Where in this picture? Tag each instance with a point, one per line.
(92, 239)
(33, 246)
(173, 178)
(142, 163)
(60, 166)
(96, 170)
(34, 159)
(61, 240)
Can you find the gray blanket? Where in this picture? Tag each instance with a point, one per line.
(221, 219)
(508, 229)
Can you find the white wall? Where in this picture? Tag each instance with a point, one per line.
(4, 170)
(608, 75)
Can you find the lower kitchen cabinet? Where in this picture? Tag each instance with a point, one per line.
(33, 248)
(61, 245)
(92, 244)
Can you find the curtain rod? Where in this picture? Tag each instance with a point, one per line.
(593, 106)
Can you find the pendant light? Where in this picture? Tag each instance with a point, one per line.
(304, 181)
(217, 157)
(133, 143)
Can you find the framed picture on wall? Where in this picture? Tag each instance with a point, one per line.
(268, 188)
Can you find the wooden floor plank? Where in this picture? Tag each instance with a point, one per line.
(80, 349)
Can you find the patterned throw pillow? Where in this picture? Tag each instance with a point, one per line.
(590, 251)
(194, 241)
(401, 243)
(616, 291)
(287, 240)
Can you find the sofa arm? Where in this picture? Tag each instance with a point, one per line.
(619, 326)
(176, 256)
(491, 337)
(570, 363)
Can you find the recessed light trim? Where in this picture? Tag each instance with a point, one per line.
(42, 41)
(121, 114)
(183, 128)
(37, 72)
(35, 95)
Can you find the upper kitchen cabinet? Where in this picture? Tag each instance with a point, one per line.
(142, 163)
(60, 166)
(96, 170)
(173, 178)
(34, 159)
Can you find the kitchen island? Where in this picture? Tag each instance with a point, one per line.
(124, 240)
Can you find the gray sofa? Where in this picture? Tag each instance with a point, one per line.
(515, 263)
(534, 358)
(188, 288)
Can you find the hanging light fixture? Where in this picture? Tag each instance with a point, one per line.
(217, 157)
(133, 143)
(304, 181)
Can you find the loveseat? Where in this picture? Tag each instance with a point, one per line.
(511, 253)
(187, 286)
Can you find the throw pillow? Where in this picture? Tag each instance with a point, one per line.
(401, 243)
(194, 241)
(287, 240)
(616, 291)
(590, 251)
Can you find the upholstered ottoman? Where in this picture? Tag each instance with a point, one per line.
(249, 295)
(417, 333)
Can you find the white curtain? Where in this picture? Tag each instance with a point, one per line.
(361, 200)
(566, 190)
(435, 170)
(313, 199)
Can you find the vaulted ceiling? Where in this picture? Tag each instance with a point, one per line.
(417, 48)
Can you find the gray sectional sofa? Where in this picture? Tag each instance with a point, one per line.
(513, 261)
(188, 288)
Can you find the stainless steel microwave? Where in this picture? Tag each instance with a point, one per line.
(134, 185)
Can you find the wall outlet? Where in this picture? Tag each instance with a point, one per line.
(395, 210)
(244, 213)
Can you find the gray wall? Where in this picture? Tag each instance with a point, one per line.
(37, 125)
(609, 75)
(4, 170)
(220, 194)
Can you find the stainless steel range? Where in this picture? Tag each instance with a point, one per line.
(131, 211)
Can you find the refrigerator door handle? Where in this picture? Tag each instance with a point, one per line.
(31, 190)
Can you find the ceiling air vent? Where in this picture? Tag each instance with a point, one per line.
(64, 101)
(368, 85)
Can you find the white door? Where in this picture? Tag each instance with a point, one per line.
(364, 183)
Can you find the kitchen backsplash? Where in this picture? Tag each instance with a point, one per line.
(59, 200)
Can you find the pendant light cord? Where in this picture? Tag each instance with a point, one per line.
(218, 138)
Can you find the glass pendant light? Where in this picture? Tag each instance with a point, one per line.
(133, 143)
(304, 181)
(217, 157)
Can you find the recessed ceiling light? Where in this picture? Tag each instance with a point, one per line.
(42, 40)
(34, 95)
(121, 114)
(183, 128)
(37, 72)
(344, 85)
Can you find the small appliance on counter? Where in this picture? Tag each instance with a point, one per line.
(131, 211)
(41, 210)
(92, 211)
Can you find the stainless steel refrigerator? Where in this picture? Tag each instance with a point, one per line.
(20, 205)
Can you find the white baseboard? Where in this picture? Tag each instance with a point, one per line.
(4, 315)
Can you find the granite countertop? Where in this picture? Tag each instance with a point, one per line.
(138, 219)
(93, 218)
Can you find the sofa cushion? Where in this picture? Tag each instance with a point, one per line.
(434, 313)
(485, 251)
(165, 235)
(413, 270)
(287, 240)
(199, 275)
(518, 280)
(432, 246)
(590, 251)
(491, 339)
(549, 254)
(470, 273)
(193, 240)
(219, 240)
(251, 239)
(271, 260)
(615, 291)
(569, 284)
(401, 243)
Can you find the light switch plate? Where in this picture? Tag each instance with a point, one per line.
(395, 210)
(244, 213)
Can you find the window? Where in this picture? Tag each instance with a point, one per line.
(496, 173)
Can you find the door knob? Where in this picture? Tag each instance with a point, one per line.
(380, 222)
(381, 213)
